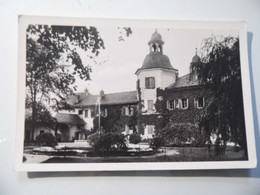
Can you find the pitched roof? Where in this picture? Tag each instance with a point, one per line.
(184, 81)
(81, 99)
(69, 119)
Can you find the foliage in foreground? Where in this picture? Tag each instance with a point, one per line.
(107, 142)
(157, 142)
(181, 134)
(46, 139)
(220, 71)
(135, 138)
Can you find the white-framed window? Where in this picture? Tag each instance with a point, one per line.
(171, 104)
(150, 105)
(131, 111)
(199, 102)
(184, 103)
(104, 112)
(86, 113)
(150, 129)
(127, 111)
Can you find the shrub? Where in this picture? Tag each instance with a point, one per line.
(157, 142)
(135, 138)
(46, 139)
(89, 133)
(93, 138)
(108, 142)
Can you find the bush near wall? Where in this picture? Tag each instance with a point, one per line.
(135, 138)
(107, 142)
(46, 139)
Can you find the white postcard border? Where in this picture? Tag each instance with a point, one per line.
(240, 26)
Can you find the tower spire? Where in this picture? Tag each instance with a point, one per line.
(156, 43)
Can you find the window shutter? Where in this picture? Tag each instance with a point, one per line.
(146, 83)
(196, 103)
(152, 82)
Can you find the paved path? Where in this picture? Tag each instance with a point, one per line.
(32, 158)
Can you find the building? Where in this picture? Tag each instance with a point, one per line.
(157, 80)
(158, 86)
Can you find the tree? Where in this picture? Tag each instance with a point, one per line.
(47, 80)
(53, 63)
(220, 72)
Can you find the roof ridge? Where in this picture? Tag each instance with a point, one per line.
(112, 92)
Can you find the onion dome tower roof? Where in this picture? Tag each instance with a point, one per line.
(196, 58)
(156, 38)
(156, 60)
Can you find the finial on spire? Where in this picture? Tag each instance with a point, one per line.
(196, 51)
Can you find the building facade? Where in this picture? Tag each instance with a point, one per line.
(161, 96)
(157, 80)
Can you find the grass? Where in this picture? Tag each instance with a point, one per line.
(184, 154)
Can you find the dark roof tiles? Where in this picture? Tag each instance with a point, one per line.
(184, 81)
(156, 60)
(69, 119)
(81, 99)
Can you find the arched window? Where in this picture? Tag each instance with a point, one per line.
(154, 48)
(160, 48)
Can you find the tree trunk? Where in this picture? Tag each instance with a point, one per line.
(34, 112)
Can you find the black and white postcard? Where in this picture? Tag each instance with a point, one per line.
(103, 94)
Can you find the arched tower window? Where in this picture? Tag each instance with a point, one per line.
(160, 48)
(154, 48)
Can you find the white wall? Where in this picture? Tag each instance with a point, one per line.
(44, 128)
(163, 78)
(231, 182)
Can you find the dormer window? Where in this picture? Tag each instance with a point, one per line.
(80, 112)
(149, 82)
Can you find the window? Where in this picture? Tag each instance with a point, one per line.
(104, 112)
(131, 111)
(126, 111)
(92, 114)
(199, 102)
(150, 129)
(149, 83)
(86, 114)
(184, 103)
(150, 104)
(80, 112)
(41, 132)
(171, 104)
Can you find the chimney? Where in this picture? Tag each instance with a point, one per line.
(101, 94)
(77, 99)
(86, 91)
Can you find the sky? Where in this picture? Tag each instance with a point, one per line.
(121, 59)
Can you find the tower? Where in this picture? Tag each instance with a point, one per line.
(156, 72)
(193, 65)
